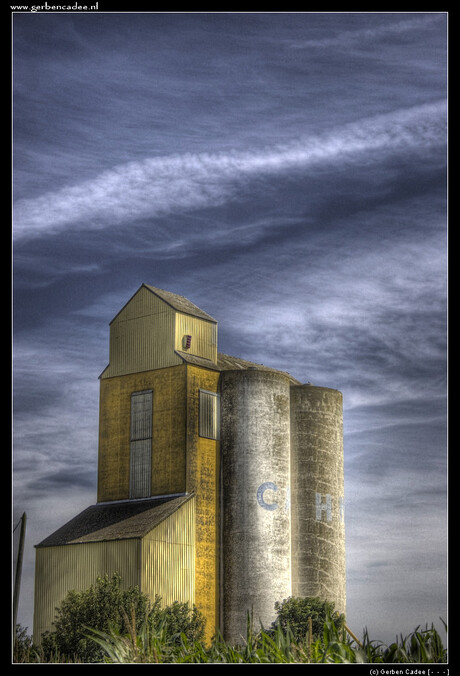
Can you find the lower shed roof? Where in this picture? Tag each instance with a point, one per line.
(115, 521)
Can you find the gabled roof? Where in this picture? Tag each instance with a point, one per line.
(180, 303)
(115, 521)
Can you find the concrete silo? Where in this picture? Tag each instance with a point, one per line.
(256, 538)
(317, 484)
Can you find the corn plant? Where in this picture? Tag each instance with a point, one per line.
(421, 646)
(150, 643)
(158, 644)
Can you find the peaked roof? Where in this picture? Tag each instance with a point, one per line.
(179, 303)
(115, 521)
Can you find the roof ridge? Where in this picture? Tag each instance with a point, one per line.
(180, 303)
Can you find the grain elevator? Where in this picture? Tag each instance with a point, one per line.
(220, 481)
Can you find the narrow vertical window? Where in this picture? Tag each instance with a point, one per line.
(209, 415)
(140, 444)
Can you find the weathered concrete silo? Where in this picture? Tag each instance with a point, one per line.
(317, 484)
(255, 447)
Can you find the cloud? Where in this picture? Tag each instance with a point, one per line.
(371, 306)
(172, 184)
(55, 406)
(360, 36)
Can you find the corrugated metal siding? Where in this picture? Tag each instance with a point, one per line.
(168, 557)
(203, 333)
(61, 569)
(142, 336)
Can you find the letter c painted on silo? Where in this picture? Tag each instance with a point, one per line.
(268, 485)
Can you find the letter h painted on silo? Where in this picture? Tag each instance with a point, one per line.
(326, 506)
(323, 506)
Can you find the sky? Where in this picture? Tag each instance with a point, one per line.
(287, 173)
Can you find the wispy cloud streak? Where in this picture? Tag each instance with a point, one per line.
(164, 185)
(360, 36)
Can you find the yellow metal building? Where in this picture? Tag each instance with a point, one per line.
(156, 521)
(227, 514)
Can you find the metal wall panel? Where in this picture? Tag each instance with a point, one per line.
(142, 336)
(162, 563)
(203, 336)
(60, 569)
(168, 557)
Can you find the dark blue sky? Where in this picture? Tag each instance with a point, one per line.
(286, 173)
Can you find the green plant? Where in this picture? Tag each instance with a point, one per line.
(178, 618)
(158, 644)
(102, 606)
(151, 643)
(174, 635)
(108, 609)
(22, 645)
(306, 616)
(421, 646)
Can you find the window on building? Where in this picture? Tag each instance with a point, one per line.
(141, 444)
(209, 415)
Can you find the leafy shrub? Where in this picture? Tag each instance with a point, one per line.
(178, 618)
(22, 645)
(306, 617)
(106, 607)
